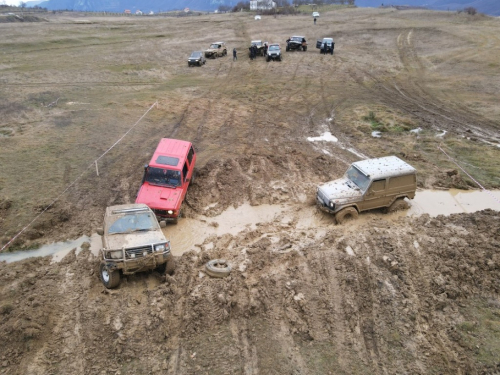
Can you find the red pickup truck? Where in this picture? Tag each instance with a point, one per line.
(167, 177)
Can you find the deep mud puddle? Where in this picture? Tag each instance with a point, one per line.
(191, 233)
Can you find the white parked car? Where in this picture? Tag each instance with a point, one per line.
(315, 14)
(257, 17)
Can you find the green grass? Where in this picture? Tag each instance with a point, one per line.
(480, 333)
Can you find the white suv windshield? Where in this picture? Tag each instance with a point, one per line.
(274, 48)
(355, 175)
(133, 223)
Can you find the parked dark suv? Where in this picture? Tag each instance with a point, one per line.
(296, 43)
(325, 45)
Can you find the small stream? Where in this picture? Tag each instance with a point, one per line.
(191, 232)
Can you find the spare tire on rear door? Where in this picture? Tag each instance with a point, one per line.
(218, 268)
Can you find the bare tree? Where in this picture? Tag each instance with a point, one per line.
(470, 10)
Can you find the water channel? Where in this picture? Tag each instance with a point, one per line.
(191, 232)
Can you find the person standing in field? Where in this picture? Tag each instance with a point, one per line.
(235, 57)
(315, 20)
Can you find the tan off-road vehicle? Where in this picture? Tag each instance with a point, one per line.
(132, 241)
(215, 50)
(369, 184)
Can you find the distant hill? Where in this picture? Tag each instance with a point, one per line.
(491, 7)
(121, 5)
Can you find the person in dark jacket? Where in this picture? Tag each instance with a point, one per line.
(235, 57)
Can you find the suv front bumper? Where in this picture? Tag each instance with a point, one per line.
(323, 204)
(144, 263)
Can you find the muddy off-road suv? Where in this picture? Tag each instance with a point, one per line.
(167, 177)
(217, 49)
(325, 45)
(296, 43)
(260, 47)
(132, 241)
(369, 184)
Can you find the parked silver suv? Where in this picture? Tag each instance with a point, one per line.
(368, 184)
(132, 241)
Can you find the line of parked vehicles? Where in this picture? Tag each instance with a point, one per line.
(271, 51)
(132, 237)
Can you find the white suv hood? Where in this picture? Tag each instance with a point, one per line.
(134, 239)
(340, 189)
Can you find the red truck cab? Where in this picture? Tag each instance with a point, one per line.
(167, 177)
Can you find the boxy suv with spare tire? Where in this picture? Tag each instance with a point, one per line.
(368, 184)
(167, 177)
(132, 241)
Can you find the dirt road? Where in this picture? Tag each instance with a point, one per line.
(382, 295)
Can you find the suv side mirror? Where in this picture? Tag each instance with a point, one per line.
(100, 231)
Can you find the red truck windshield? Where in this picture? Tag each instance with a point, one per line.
(163, 177)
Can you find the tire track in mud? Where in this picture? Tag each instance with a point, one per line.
(483, 44)
(409, 95)
(206, 112)
(324, 275)
(248, 351)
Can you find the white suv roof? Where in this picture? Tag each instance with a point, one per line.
(384, 167)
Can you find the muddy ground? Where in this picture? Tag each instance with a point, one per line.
(385, 294)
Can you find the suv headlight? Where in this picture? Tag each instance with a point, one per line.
(162, 247)
(115, 254)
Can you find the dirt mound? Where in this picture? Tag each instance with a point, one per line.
(21, 18)
(396, 296)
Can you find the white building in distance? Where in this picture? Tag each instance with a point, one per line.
(262, 4)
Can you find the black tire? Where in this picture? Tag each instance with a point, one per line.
(170, 266)
(397, 205)
(110, 279)
(161, 268)
(176, 220)
(199, 63)
(349, 213)
(218, 268)
(304, 48)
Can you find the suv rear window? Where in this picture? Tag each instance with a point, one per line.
(167, 160)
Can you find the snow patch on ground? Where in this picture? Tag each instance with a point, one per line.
(442, 134)
(326, 137)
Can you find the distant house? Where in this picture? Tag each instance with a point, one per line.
(262, 4)
(127, 11)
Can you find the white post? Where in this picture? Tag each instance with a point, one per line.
(96, 168)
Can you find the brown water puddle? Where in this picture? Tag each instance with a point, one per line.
(190, 233)
(447, 202)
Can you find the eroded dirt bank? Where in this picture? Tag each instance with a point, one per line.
(417, 296)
